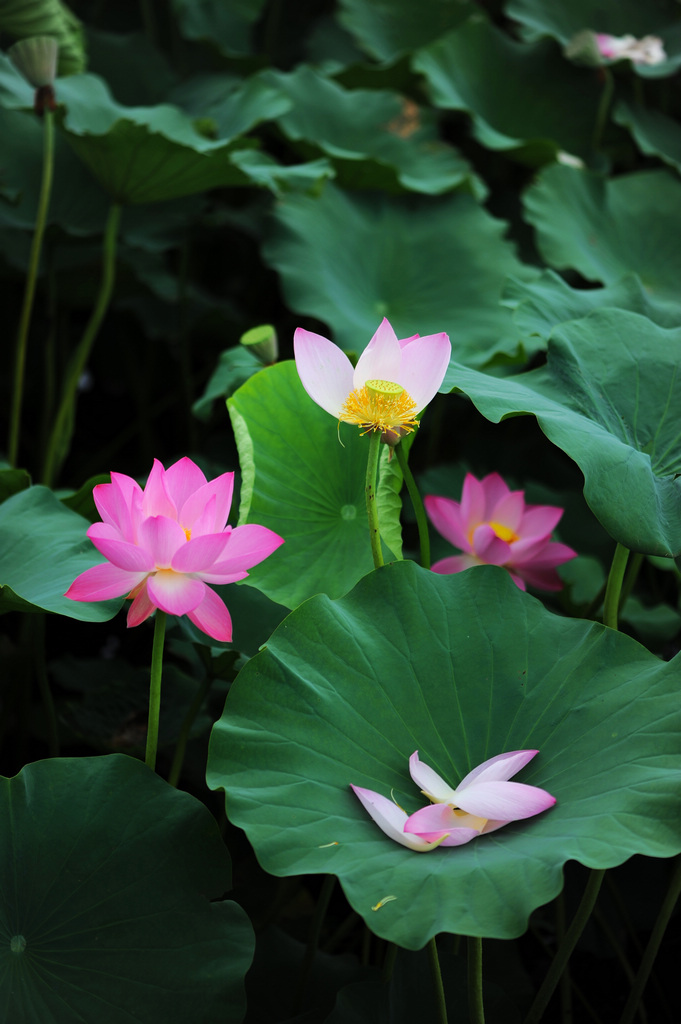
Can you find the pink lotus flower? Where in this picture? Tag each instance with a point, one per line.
(392, 382)
(648, 50)
(165, 543)
(494, 526)
(482, 802)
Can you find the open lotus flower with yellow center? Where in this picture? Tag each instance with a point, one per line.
(482, 802)
(492, 525)
(393, 381)
(166, 544)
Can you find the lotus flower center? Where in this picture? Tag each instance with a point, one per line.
(380, 405)
(504, 532)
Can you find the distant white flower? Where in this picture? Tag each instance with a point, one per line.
(648, 50)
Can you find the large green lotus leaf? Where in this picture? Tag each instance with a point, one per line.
(516, 92)
(143, 154)
(428, 266)
(539, 306)
(386, 29)
(44, 548)
(395, 142)
(231, 104)
(609, 396)
(24, 18)
(107, 877)
(299, 480)
(607, 228)
(227, 26)
(460, 668)
(655, 133)
(563, 19)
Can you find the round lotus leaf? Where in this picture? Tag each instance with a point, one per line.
(460, 668)
(107, 880)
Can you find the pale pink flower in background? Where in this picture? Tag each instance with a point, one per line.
(483, 802)
(166, 543)
(394, 379)
(492, 525)
(648, 50)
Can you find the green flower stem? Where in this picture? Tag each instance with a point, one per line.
(569, 942)
(370, 491)
(476, 1009)
(29, 291)
(614, 586)
(155, 689)
(417, 503)
(630, 577)
(63, 425)
(437, 982)
(181, 746)
(654, 942)
(603, 106)
(313, 939)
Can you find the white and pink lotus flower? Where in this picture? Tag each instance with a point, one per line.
(165, 545)
(492, 525)
(393, 381)
(483, 802)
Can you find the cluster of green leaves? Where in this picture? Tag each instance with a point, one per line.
(328, 163)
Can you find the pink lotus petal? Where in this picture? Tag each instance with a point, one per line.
(509, 510)
(156, 500)
(390, 818)
(505, 801)
(174, 592)
(403, 342)
(141, 608)
(182, 479)
(495, 489)
(381, 359)
(445, 515)
(247, 546)
(455, 563)
(161, 537)
(201, 554)
(212, 617)
(472, 503)
(527, 549)
(553, 554)
(215, 495)
(117, 502)
(539, 520)
(429, 782)
(324, 370)
(499, 768)
(438, 820)
(542, 579)
(102, 582)
(488, 547)
(424, 364)
(220, 578)
(119, 552)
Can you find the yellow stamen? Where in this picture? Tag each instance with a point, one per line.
(504, 532)
(380, 405)
(382, 903)
(187, 532)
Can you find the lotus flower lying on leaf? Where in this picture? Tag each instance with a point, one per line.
(482, 802)
(166, 543)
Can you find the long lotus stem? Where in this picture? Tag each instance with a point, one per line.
(614, 586)
(437, 982)
(61, 431)
(417, 503)
(656, 936)
(476, 1009)
(370, 491)
(29, 291)
(155, 689)
(564, 952)
(313, 938)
